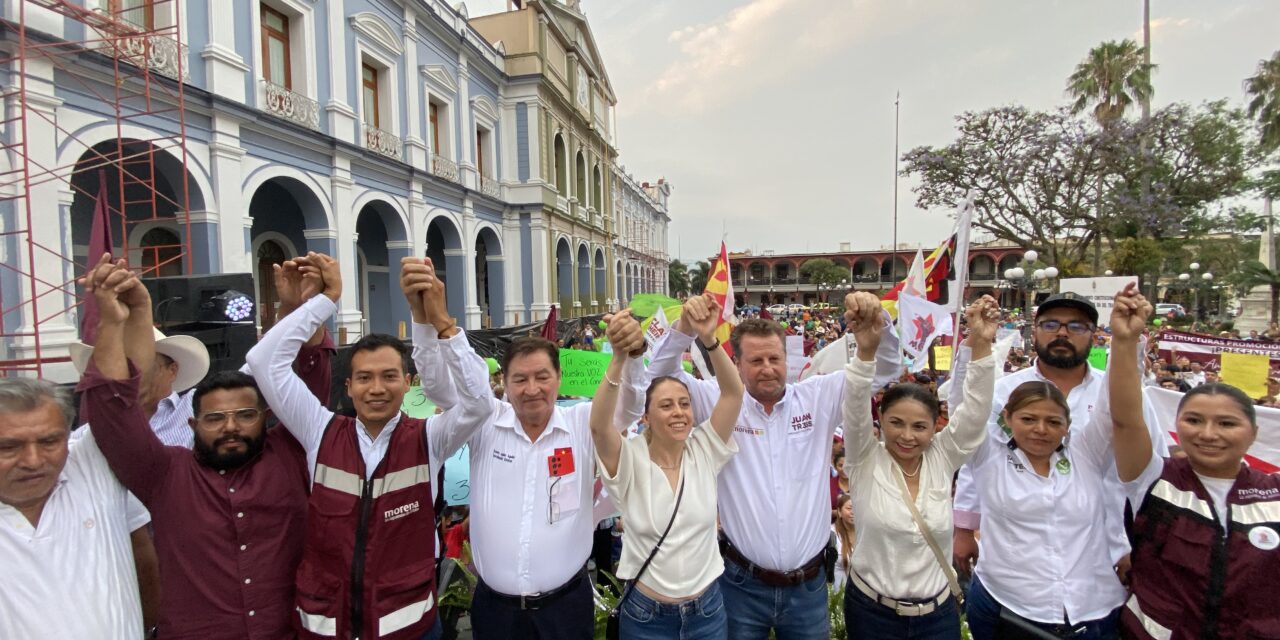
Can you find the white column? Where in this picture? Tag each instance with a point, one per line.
(513, 273)
(350, 316)
(231, 205)
(466, 130)
(415, 145)
(342, 119)
(472, 302)
(535, 143)
(539, 244)
(224, 68)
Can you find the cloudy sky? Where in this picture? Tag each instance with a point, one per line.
(773, 119)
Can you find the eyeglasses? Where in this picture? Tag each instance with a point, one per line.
(1074, 327)
(217, 419)
(553, 509)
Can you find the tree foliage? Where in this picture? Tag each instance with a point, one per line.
(1263, 89)
(698, 276)
(821, 271)
(677, 278)
(1111, 78)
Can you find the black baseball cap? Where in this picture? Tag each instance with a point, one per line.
(1070, 300)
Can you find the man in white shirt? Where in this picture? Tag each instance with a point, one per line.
(775, 495)
(532, 485)
(64, 530)
(1063, 335)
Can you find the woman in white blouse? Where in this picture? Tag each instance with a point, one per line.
(900, 585)
(845, 531)
(672, 468)
(1043, 559)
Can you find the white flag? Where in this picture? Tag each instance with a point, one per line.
(658, 327)
(919, 322)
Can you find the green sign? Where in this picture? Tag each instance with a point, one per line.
(416, 405)
(1098, 359)
(581, 372)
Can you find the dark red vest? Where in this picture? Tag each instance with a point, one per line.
(368, 565)
(1189, 581)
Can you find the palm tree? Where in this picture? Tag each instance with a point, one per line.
(1256, 274)
(1111, 78)
(677, 278)
(698, 276)
(1264, 100)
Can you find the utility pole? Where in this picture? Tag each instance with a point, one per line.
(1146, 53)
(897, 98)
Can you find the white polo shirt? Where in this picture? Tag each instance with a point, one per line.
(775, 495)
(1042, 553)
(73, 575)
(1082, 401)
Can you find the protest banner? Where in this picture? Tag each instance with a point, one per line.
(1264, 455)
(1246, 372)
(457, 469)
(1207, 349)
(581, 372)
(795, 358)
(1100, 291)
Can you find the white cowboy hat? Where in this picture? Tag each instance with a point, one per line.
(190, 354)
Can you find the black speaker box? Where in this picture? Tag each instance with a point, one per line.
(177, 299)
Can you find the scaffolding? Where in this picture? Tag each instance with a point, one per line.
(123, 60)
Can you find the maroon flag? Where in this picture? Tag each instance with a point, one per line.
(99, 243)
(549, 327)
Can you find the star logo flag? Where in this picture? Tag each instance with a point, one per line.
(920, 322)
(721, 289)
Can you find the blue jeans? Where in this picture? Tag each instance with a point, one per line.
(436, 631)
(794, 613)
(866, 618)
(983, 614)
(644, 618)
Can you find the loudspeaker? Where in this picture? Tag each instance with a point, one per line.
(177, 299)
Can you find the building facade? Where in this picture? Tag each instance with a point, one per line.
(643, 221)
(371, 130)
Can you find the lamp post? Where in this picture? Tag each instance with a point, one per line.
(1028, 283)
(1205, 282)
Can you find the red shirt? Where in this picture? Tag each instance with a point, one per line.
(453, 539)
(229, 542)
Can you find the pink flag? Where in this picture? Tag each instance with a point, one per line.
(99, 243)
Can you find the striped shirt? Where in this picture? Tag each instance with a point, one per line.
(170, 423)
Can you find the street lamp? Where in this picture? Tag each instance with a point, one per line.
(1019, 279)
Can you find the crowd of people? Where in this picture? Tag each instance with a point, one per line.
(1033, 496)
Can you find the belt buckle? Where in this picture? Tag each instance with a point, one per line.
(794, 576)
(906, 608)
(523, 605)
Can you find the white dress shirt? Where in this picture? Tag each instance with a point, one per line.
(271, 361)
(890, 553)
(689, 560)
(1042, 553)
(170, 420)
(1082, 400)
(73, 575)
(775, 495)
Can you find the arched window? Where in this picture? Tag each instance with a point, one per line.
(269, 253)
(561, 159)
(161, 253)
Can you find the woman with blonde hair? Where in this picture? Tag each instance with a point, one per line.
(665, 485)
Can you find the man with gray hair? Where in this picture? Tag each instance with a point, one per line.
(64, 533)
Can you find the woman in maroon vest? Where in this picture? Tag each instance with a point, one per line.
(1206, 528)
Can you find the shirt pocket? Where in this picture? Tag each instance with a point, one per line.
(564, 496)
(803, 457)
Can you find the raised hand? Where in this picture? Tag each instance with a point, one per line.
(434, 303)
(1129, 314)
(983, 316)
(701, 315)
(863, 316)
(290, 284)
(415, 279)
(323, 272)
(624, 333)
(106, 281)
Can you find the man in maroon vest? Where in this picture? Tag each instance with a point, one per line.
(368, 562)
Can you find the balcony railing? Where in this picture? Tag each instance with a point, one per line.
(383, 142)
(444, 168)
(490, 187)
(291, 106)
(155, 53)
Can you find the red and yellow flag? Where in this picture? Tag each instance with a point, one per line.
(720, 286)
(929, 282)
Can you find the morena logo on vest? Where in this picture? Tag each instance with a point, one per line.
(400, 511)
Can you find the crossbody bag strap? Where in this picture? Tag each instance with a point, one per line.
(949, 572)
(630, 584)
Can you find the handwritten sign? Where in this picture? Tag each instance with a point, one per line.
(1246, 372)
(457, 468)
(942, 357)
(1098, 358)
(581, 372)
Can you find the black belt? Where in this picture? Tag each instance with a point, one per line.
(540, 600)
(799, 576)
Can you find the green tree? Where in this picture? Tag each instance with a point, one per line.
(1263, 90)
(821, 271)
(1258, 275)
(1110, 79)
(678, 278)
(698, 276)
